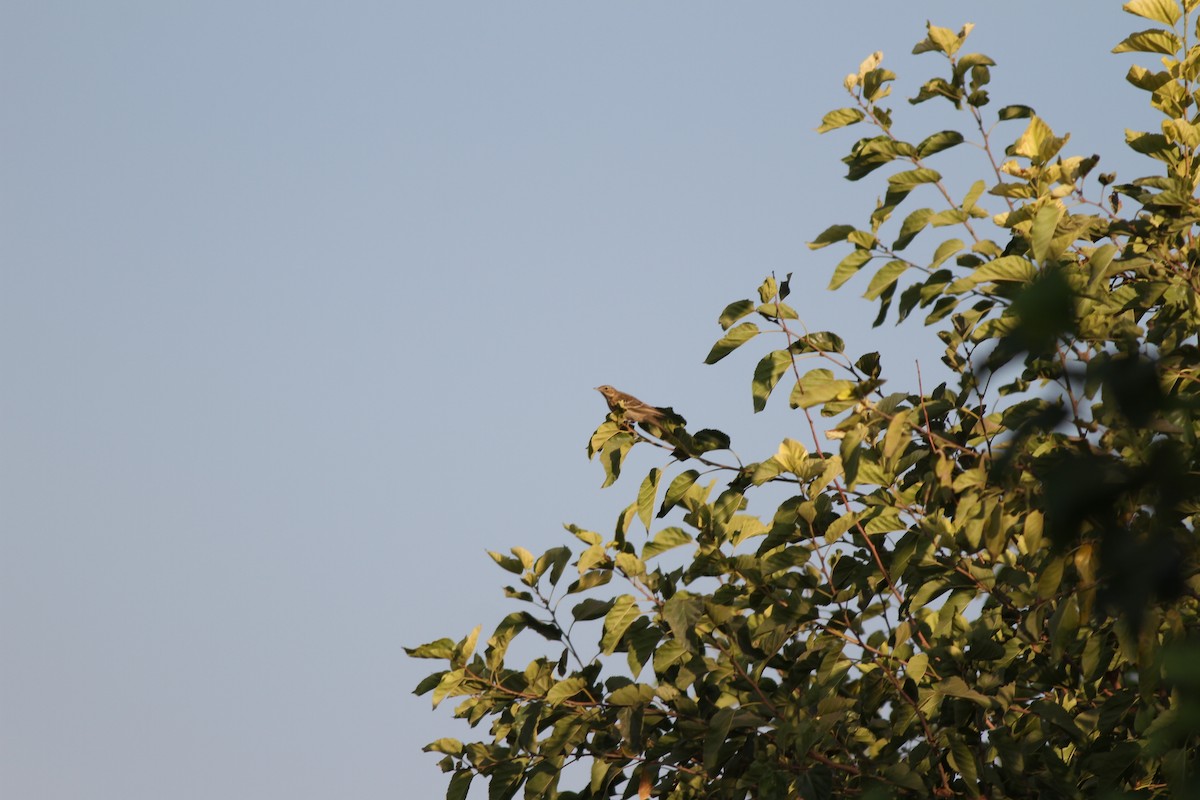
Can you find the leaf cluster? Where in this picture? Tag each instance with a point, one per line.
(983, 588)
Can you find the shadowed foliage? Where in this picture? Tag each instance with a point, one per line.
(982, 588)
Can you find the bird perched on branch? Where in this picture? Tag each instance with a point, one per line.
(632, 409)
(657, 421)
(627, 408)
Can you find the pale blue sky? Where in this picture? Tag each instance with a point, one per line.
(302, 308)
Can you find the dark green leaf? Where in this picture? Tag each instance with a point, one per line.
(460, 784)
(936, 143)
(565, 690)
(1014, 112)
(848, 267)
(677, 490)
(819, 342)
(767, 374)
(735, 311)
(714, 739)
(840, 119)
(913, 224)
(591, 608)
(831, 235)
(442, 648)
(731, 341)
(618, 619)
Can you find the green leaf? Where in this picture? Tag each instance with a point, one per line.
(913, 224)
(768, 289)
(590, 580)
(682, 612)
(1045, 224)
(868, 155)
(1038, 143)
(732, 341)
(640, 644)
(851, 453)
(848, 266)
(767, 374)
(963, 762)
(505, 779)
(450, 684)
(460, 784)
(591, 608)
(735, 311)
(624, 611)
(902, 775)
(1151, 41)
(717, 734)
(677, 490)
(819, 386)
(664, 540)
(911, 179)
(1014, 112)
(886, 277)
(939, 40)
(630, 565)
(464, 649)
(973, 194)
(612, 455)
(1005, 268)
(917, 666)
(556, 559)
(839, 526)
(1164, 11)
(541, 780)
(955, 686)
(1098, 265)
(633, 694)
(442, 648)
(819, 342)
(1050, 578)
(777, 310)
(1059, 716)
(944, 251)
(445, 745)
(646, 495)
(1146, 80)
(840, 119)
(428, 683)
(708, 439)
(938, 87)
(509, 563)
(565, 690)
(831, 235)
(670, 652)
(936, 143)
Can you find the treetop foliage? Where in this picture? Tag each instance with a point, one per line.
(981, 588)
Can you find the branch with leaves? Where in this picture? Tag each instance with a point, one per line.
(986, 588)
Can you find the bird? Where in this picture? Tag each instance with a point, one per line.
(632, 409)
(661, 422)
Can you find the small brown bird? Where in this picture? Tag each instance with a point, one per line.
(661, 422)
(632, 409)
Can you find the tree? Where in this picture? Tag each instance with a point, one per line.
(987, 587)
